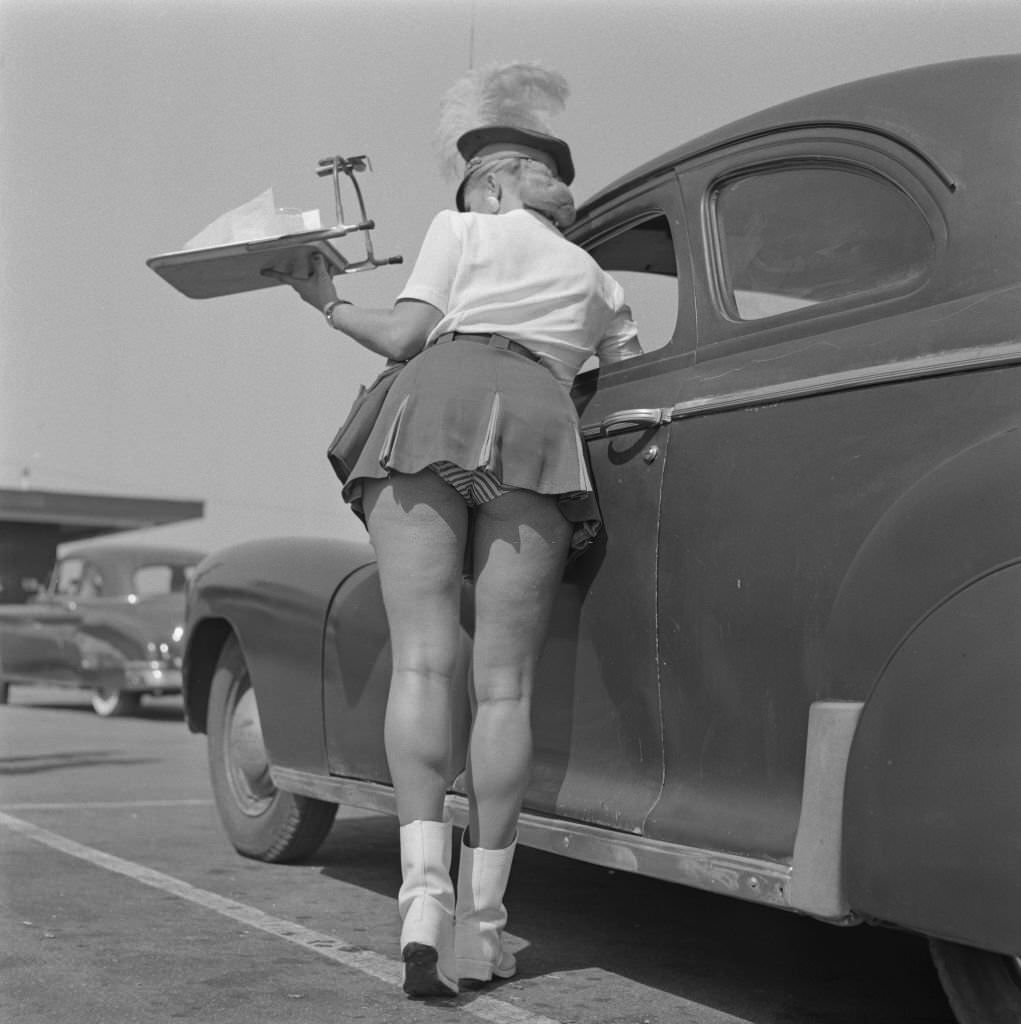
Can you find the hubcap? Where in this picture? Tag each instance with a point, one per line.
(104, 701)
(247, 764)
(107, 702)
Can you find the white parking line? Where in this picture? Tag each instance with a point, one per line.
(380, 967)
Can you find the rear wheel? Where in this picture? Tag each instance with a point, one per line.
(114, 703)
(982, 987)
(262, 821)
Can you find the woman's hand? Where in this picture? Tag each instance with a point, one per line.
(398, 333)
(309, 278)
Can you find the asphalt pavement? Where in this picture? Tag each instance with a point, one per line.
(123, 903)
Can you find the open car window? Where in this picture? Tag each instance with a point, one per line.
(641, 259)
(796, 236)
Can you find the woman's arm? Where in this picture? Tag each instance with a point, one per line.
(397, 333)
(621, 339)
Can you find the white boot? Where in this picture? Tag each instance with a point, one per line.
(426, 905)
(481, 915)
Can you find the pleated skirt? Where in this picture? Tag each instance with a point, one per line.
(480, 407)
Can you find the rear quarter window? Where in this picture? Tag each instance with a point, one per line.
(798, 236)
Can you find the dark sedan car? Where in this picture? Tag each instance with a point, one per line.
(791, 670)
(110, 621)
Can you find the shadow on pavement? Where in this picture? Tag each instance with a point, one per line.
(763, 965)
(32, 765)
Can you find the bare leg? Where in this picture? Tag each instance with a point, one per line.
(521, 544)
(418, 526)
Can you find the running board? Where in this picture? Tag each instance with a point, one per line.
(747, 878)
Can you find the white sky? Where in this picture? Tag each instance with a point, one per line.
(128, 125)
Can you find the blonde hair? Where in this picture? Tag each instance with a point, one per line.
(477, 169)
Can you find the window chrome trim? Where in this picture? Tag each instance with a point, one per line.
(846, 163)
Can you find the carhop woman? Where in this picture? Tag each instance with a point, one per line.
(477, 455)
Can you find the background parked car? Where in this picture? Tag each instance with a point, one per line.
(110, 621)
(791, 671)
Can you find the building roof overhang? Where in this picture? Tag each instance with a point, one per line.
(77, 516)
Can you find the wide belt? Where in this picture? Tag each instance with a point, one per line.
(493, 340)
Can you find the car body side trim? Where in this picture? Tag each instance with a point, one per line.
(748, 878)
(28, 679)
(167, 684)
(977, 358)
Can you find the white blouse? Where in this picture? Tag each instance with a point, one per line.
(514, 274)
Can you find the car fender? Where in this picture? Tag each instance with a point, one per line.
(932, 833)
(135, 628)
(953, 524)
(922, 569)
(273, 596)
(37, 643)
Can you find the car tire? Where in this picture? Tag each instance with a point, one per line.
(114, 703)
(5, 692)
(982, 987)
(261, 821)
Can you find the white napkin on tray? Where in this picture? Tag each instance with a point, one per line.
(258, 218)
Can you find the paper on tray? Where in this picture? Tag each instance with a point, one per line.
(258, 218)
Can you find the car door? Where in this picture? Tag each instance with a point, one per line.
(598, 726)
(817, 253)
(39, 645)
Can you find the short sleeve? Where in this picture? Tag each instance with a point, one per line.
(620, 340)
(433, 274)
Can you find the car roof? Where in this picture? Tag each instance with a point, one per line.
(135, 554)
(939, 110)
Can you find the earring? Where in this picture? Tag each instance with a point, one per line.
(492, 204)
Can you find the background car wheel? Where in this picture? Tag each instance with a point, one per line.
(5, 692)
(982, 987)
(114, 703)
(262, 821)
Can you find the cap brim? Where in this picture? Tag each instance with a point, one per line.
(473, 141)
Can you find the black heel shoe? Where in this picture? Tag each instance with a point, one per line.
(422, 977)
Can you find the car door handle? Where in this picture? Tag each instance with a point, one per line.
(628, 418)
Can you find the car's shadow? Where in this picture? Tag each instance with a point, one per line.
(765, 966)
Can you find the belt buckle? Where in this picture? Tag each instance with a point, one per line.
(499, 341)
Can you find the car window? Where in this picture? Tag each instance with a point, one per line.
(67, 577)
(641, 259)
(150, 580)
(798, 236)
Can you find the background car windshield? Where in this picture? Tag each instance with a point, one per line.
(67, 577)
(797, 236)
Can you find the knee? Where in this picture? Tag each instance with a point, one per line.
(420, 678)
(503, 687)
